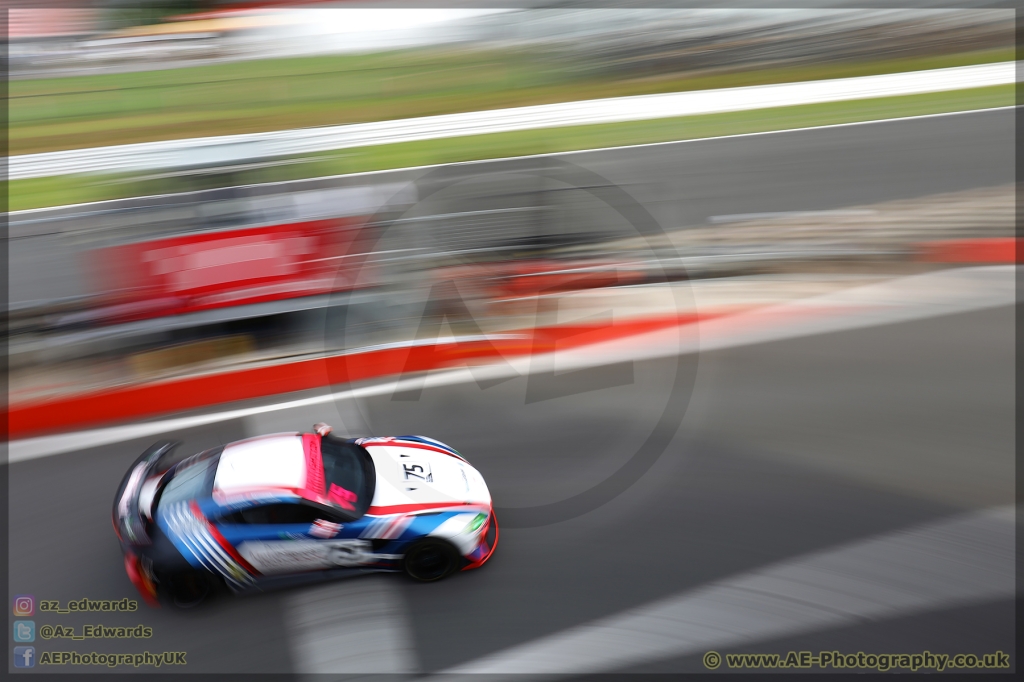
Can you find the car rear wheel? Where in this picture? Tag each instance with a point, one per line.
(430, 560)
(188, 589)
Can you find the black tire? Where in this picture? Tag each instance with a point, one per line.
(430, 560)
(188, 589)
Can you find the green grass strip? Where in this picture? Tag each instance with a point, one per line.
(40, 192)
(279, 94)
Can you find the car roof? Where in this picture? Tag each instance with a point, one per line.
(266, 463)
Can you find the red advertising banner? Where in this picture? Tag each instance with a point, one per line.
(227, 268)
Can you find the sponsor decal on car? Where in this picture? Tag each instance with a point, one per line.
(306, 555)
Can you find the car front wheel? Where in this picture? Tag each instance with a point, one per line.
(430, 560)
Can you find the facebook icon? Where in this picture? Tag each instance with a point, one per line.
(24, 657)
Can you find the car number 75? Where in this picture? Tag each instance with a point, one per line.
(417, 470)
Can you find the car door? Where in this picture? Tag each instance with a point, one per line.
(279, 538)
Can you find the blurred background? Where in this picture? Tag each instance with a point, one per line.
(733, 286)
(102, 289)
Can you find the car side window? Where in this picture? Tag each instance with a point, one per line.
(274, 514)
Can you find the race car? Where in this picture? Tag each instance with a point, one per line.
(290, 508)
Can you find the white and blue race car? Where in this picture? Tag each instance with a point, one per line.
(290, 508)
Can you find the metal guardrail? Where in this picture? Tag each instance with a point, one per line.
(148, 156)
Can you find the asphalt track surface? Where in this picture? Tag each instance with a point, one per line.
(786, 448)
(811, 170)
(685, 184)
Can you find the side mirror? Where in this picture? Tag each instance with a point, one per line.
(322, 528)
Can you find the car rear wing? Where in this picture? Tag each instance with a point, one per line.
(128, 522)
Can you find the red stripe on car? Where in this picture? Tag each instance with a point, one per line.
(314, 464)
(405, 508)
(410, 444)
(222, 541)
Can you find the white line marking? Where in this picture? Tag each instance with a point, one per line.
(546, 155)
(233, 148)
(916, 297)
(741, 217)
(356, 626)
(964, 560)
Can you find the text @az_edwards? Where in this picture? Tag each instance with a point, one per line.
(89, 605)
(95, 632)
(112, 660)
(880, 662)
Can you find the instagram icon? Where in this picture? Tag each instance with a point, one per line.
(24, 605)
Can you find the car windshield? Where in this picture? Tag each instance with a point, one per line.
(349, 476)
(191, 478)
